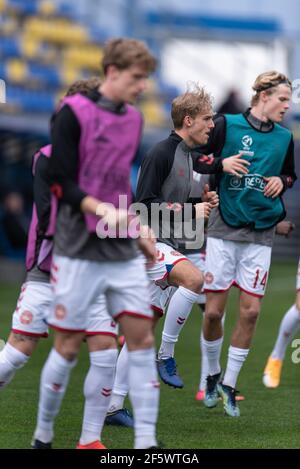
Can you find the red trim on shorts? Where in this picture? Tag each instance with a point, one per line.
(206, 290)
(62, 329)
(131, 313)
(168, 273)
(102, 333)
(30, 334)
(297, 289)
(157, 310)
(257, 295)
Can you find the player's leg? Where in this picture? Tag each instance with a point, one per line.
(289, 327)
(101, 336)
(143, 383)
(238, 351)
(117, 413)
(128, 300)
(198, 259)
(252, 274)
(211, 343)
(97, 389)
(68, 317)
(189, 280)
(219, 276)
(179, 272)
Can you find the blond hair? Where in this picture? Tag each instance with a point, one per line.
(268, 81)
(193, 102)
(83, 86)
(123, 53)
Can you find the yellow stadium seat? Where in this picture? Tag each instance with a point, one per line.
(153, 113)
(2, 5)
(46, 7)
(88, 57)
(57, 30)
(16, 70)
(29, 47)
(68, 75)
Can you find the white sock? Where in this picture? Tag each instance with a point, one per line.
(204, 372)
(11, 360)
(97, 391)
(236, 358)
(204, 365)
(179, 309)
(120, 389)
(289, 327)
(144, 396)
(212, 350)
(54, 381)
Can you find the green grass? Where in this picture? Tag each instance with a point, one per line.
(269, 418)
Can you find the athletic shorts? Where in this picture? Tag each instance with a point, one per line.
(245, 265)
(77, 284)
(160, 291)
(32, 310)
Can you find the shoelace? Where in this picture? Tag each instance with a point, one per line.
(211, 383)
(127, 413)
(171, 366)
(232, 395)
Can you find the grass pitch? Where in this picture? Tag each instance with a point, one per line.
(269, 418)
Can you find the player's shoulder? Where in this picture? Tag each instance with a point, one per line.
(166, 148)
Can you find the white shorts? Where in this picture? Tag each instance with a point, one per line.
(160, 290)
(77, 284)
(160, 297)
(298, 278)
(99, 321)
(245, 265)
(199, 259)
(32, 310)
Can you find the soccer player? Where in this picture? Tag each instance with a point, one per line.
(94, 140)
(241, 230)
(165, 177)
(30, 317)
(289, 327)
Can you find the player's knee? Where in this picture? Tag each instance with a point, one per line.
(213, 314)
(67, 350)
(298, 301)
(250, 314)
(144, 341)
(194, 281)
(23, 343)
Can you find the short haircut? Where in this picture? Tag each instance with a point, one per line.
(123, 53)
(193, 102)
(268, 81)
(83, 86)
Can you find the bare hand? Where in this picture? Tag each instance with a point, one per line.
(210, 196)
(274, 186)
(235, 165)
(146, 244)
(203, 210)
(284, 228)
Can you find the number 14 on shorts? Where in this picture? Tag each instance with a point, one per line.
(260, 279)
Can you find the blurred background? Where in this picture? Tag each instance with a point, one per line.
(47, 44)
